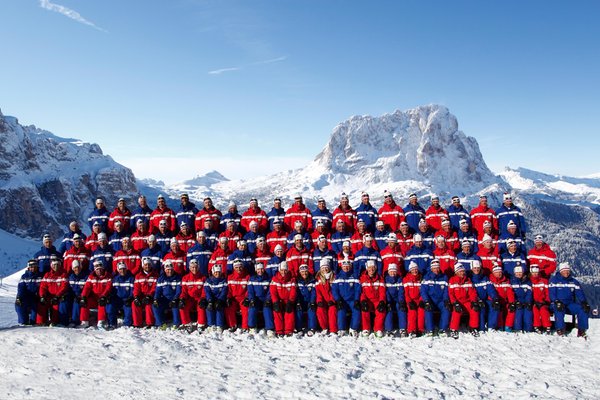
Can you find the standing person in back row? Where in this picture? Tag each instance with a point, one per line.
(100, 214)
(481, 214)
(186, 212)
(507, 212)
(390, 213)
(162, 213)
(413, 212)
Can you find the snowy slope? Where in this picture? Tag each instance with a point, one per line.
(14, 252)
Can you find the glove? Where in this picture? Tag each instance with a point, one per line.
(212, 306)
(42, 300)
(102, 301)
(520, 305)
(137, 301)
(147, 300)
(299, 307)
(312, 306)
(458, 307)
(246, 302)
(155, 303)
(559, 305)
(402, 306)
(83, 301)
(539, 304)
(128, 301)
(289, 307)
(339, 305)
(181, 304)
(475, 306)
(54, 301)
(428, 306)
(331, 303)
(496, 305)
(364, 306)
(229, 301)
(448, 305)
(268, 304)
(381, 307)
(277, 306)
(220, 304)
(252, 303)
(173, 304)
(321, 304)
(481, 304)
(585, 306)
(203, 303)
(412, 305)
(528, 306)
(512, 307)
(357, 305)
(17, 301)
(390, 306)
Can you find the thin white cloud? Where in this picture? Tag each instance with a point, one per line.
(69, 13)
(263, 62)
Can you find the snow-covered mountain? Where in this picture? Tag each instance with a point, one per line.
(47, 181)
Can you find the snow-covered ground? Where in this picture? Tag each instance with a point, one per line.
(45, 363)
(14, 252)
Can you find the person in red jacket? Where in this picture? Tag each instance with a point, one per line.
(488, 253)
(390, 213)
(129, 256)
(326, 310)
(435, 214)
(77, 252)
(185, 237)
(392, 254)
(139, 238)
(255, 213)
(451, 237)
(506, 316)
(488, 230)
(120, 213)
(483, 213)
(176, 257)
(232, 234)
(542, 255)
(192, 298)
(220, 256)
(237, 293)
(541, 300)
(299, 254)
(414, 302)
(297, 212)
(53, 291)
(92, 242)
(162, 213)
(372, 301)
(144, 287)
(445, 255)
(404, 237)
(208, 212)
(283, 295)
(95, 294)
(277, 237)
(345, 213)
(463, 297)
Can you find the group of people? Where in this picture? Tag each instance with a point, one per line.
(396, 271)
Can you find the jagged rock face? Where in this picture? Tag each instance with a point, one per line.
(47, 181)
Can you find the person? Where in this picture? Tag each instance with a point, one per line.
(164, 237)
(512, 258)
(121, 296)
(541, 300)
(100, 214)
(510, 212)
(215, 289)
(434, 292)
(142, 212)
(357, 238)
(566, 295)
(208, 212)
(192, 298)
(201, 252)
(277, 213)
(511, 233)
(211, 233)
(117, 236)
(176, 257)
(345, 254)
(120, 213)
(463, 298)
(426, 234)
(103, 252)
(67, 241)
(162, 213)
(435, 214)
(456, 213)
(412, 296)
(372, 301)
(277, 237)
(185, 237)
(220, 256)
(283, 295)
(139, 238)
(232, 215)
(339, 237)
(390, 213)
(467, 257)
(77, 279)
(53, 296)
(392, 254)
(418, 254)
(299, 229)
(297, 212)
(237, 294)
(298, 255)
(488, 230)
(232, 234)
(46, 253)
(322, 215)
(505, 308)
(483, 213)
(256, 214)
(365, 255)
(95, 294)
(488, 253)
(487, 298)
(77, 252)
(259, 301)
(153, 252)
(323, 254)
(252, 236)
(449, 235)
(326, 311)
(523, 300)
(26, 303)
(318, 232)
(446, 256)
(542, 255)
(129, 256)
(262, 254)
(396, 303)
(306, 302)
(381, 235)
(166, 297)
(92, 242)
(186, 213)
(346, 293)
(367, 212)
(404, 238)
(243, 255)
(465, 233)
(344, 212)
(413, 212)
(144, 287)
(273, 265)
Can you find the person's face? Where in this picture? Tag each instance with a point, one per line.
(121, 205)
(340, 227)
(277, 227)
(194, 268)
(208, 224)
(418, 243)
(497, 274)
(464, 227)
(488, 244)
(380, 227)
(512, 247)
(76, 268)
(322, 244)
(99, 204)
(304, 274)
(99, 271)
(161, 203)
(238, 268)
(435, 203)
(456, 202)
(299, 244)
(508, 203)
(483, 202)
(344, 202)
(122, 271)
(142, 202)
(368, 243)
(423, 227)
(371, 269)
(118, 227)
(47, 243)
(440, 244)
(97, 229)
(413, 201)
(162, 228)
(231, 227)
(142, 227)
(78, 243)
(151, 243)
(392, 272)
(279, 253)
(565, 273)
(223, 244)
(322, 205)
(277, 204)
(345, 267)
(461, 273)
(325, 269)
(243, 247)
(512, 230)
(535, 274)
(466, 249)
(519, 275)
(538, 244)
(391, 244)
(74, 227)
(414, 271)
(361, 228)
(253, 228)
(365, 200)
(146, 267)
(185, 201)
(297, 202)
(298, 228)
(208, 204)
(476, 269)
(404, 229)
(436, 269)
(125, 244)
(253, 205)
(185, 230)
(201, 239)
(54, 265)
(388, 199)
(174, 246)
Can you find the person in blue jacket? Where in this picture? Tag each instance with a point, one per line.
(166, 296)
(511, 233)
(153, 252)
(26, 303)
(566, 295)
(232, 215)
(434, 292)
(104, 252)
(512, 258)
(323, 255)
(467, 257)
(186, 211)
(116, 239)
(427, 234)
(215, 289)
(456, 213)
(488, 301)
(200, 252)
(413, 212)
(77, 279)
(121, 296)
(252, 236)
(507, 212)
(346, 293)
(381, 235)
(418, 254)
(45, 254)
(521, 285)
(100, 214)
(338, 237)
(306, 302)
(366, 212)
(277, 213)
(322, 213)
(396, 303)
(142, 212)
(368, 252)
(273, 265)
(211, 233)
(242, 254)
(259, 301)
(466, 233)
(67, 241)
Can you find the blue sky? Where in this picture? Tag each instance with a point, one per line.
(180, 87)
